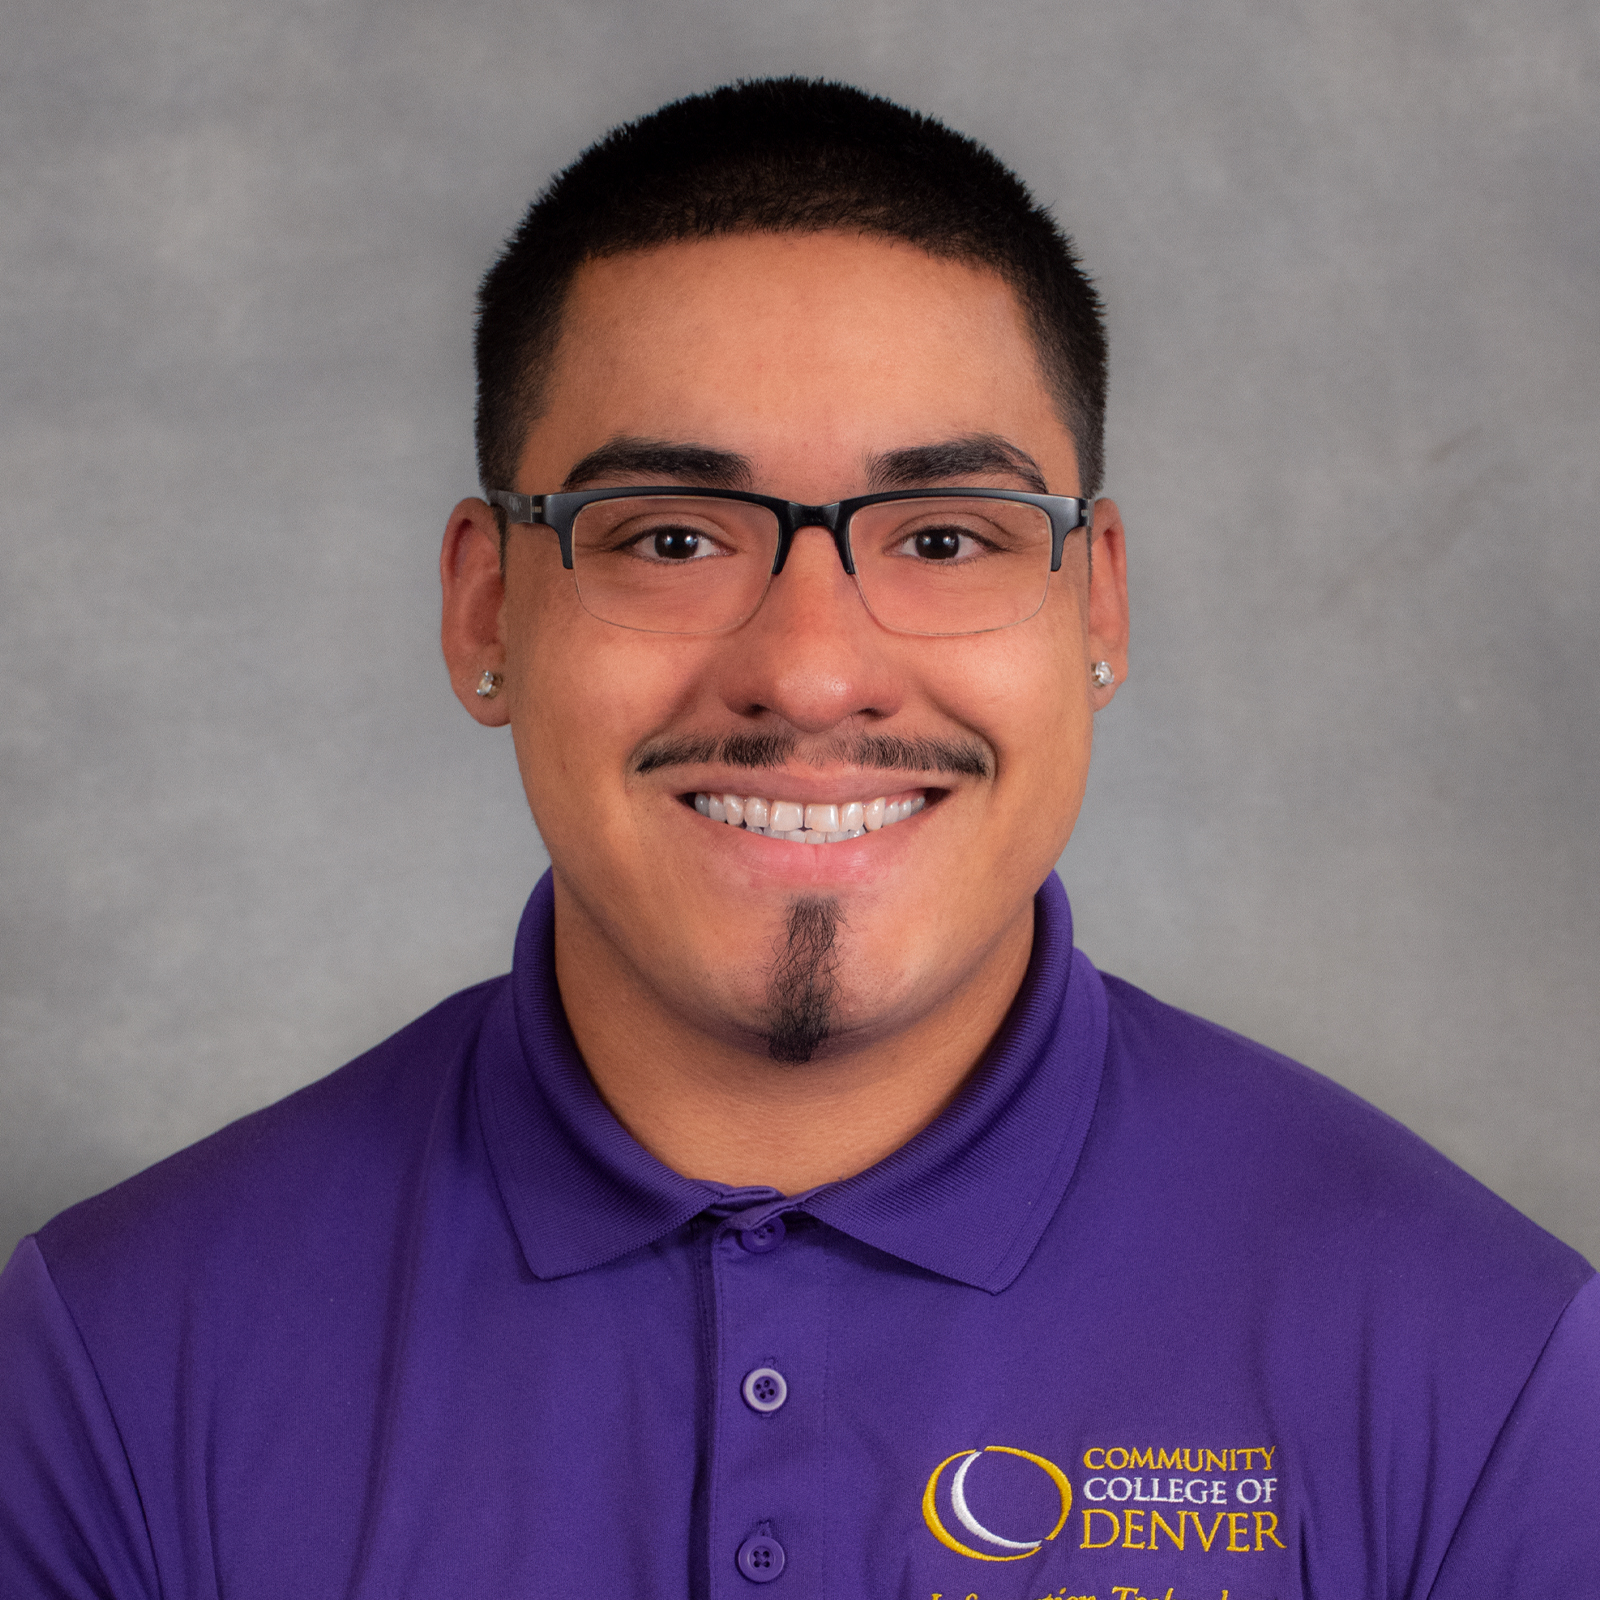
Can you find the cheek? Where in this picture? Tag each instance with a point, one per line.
(562, 718)
(574, 723)
(1025, 691)
(1044, 770)
(586, 695)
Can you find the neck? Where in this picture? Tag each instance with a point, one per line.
(715, 1106)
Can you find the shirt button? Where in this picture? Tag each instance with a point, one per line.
(765, 1389)
(767, 1237)
(761, 1558)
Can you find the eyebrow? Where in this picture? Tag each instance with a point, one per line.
(973, 455)
(657, 461)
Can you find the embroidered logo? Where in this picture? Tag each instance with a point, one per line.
(1000, 1548)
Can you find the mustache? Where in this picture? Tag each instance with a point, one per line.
(965, 758)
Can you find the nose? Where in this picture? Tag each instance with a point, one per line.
(812, 654)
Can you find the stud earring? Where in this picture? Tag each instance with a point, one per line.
(1102, 674)
(489, 685)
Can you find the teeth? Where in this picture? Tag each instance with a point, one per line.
(807, 824)
(786, 816)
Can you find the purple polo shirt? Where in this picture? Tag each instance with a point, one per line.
(1148, 1312)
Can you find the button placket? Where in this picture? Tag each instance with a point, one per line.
(767, 1473)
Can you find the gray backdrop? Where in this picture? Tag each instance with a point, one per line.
(1346, 803)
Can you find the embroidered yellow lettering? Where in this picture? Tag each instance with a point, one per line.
(1205, 1538)
(1088, 1528)
(1129, 1528)
(1159, 1521)
(1266, 1522)
(1235, 1518)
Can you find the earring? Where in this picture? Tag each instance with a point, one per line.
(1102, 674)
(489, 685)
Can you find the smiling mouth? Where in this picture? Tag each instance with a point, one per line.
(809, 824)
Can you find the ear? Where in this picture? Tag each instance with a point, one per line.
(1108, 598)
(474, 602)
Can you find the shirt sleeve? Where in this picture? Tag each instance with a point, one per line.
(1532, 1524)
(71, 1523)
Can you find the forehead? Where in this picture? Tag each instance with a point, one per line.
(833, 343)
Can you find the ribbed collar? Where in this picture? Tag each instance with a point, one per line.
(968, 1198)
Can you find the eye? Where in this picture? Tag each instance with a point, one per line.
(946, 543)
(673, 542)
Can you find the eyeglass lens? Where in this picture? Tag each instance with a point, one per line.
(677, 564)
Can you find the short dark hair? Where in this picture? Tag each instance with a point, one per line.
(782, 155)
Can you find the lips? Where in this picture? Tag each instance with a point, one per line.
(809, 823)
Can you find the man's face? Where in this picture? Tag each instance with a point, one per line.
(818, 361)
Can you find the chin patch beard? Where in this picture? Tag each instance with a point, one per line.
(800, 992)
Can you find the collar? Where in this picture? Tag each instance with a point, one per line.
(967, 1198)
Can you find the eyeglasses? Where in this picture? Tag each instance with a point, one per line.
(926, 561)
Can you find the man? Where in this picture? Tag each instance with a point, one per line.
(803, 1208)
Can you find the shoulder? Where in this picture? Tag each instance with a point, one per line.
(1268, 1146)
(334, 1151)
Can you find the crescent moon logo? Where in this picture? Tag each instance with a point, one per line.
(1021, 1548)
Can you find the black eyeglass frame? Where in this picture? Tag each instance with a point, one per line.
(1067, 513)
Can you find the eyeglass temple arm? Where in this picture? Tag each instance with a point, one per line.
(512, 509)
(1086, 522)
(517, 507)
